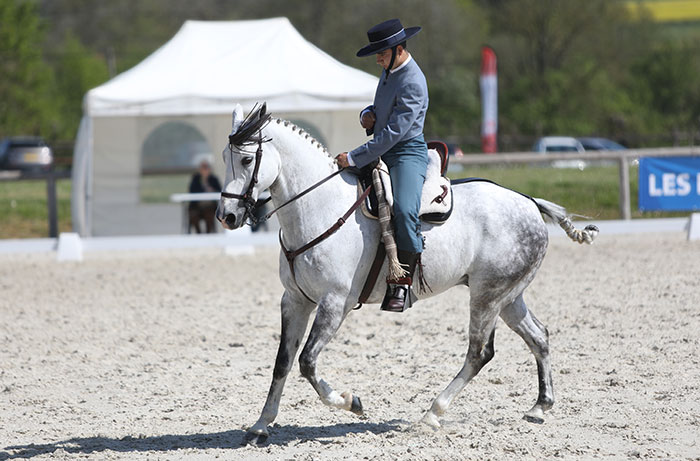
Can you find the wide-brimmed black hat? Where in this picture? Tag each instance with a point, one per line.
(386, 35)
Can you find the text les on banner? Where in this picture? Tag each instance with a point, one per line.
(669, 183)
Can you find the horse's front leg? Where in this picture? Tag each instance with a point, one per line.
(295, 318)
(330, 315)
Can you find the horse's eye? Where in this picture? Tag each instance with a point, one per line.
(246, 160)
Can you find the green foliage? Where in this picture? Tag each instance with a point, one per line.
(456, 95)
(26, 79)
(565, 66)
(671, 83)
(77, 71)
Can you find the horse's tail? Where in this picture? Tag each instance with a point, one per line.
(558, 215)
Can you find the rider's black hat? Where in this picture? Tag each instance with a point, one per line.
(386, 35)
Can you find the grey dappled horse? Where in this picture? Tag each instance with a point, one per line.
(494, 242)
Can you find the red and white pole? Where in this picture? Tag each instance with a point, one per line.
(489, 100)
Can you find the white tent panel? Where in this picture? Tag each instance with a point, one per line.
(208, 67)
(197, 78)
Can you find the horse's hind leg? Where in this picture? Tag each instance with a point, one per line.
(481, 334)
(329, 317)
(517, 316)
(295, 317)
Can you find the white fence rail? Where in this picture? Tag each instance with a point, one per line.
(622, 157)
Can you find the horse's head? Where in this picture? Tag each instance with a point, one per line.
(248, 171)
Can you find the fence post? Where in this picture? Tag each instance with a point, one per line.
(51, 203)
(625, 203)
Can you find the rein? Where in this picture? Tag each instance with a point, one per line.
(251, 205)
(298, 196)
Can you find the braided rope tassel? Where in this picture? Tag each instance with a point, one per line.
(396, 271)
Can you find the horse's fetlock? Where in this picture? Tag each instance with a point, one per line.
(439, 407)
(545, 402)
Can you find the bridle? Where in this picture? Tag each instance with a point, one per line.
(243, 137)
(249, 203)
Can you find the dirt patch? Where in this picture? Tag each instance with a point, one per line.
(170, 355)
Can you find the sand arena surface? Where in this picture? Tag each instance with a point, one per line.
(169, 355)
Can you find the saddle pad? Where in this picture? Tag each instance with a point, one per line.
(436, 200)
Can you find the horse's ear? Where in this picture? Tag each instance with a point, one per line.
(237, 118)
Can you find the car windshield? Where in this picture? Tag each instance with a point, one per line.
(561, 149)
(27, 144)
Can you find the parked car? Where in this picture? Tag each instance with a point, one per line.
(561, 144)
(600, 144)
(25, 153)
(591, 144)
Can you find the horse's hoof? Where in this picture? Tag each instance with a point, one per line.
(431, 420)
(356, 406)
(536, 415)
(352, 403)
(255, 439)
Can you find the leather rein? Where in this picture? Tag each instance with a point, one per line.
(251, 205)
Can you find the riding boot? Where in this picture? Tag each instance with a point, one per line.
(398, 296)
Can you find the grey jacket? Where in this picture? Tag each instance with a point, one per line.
(400, 106)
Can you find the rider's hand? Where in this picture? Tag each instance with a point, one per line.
(367, 120)
(342, 160)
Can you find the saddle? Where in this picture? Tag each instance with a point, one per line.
(436, 200)
(436, 205)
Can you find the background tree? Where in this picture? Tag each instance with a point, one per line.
(565, 66)
(560, 61)
(76, 71)
(26, 82)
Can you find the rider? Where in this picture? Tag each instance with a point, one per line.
(396, 120)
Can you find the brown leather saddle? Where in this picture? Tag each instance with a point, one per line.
(370, 208)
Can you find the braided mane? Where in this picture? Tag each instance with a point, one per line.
(304, 135)
(249, 131)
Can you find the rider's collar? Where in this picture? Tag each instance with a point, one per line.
(403, 64)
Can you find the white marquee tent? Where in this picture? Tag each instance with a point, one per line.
(191, 85)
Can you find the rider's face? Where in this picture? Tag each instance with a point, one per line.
(384, 57)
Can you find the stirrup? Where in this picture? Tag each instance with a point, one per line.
(401, 303)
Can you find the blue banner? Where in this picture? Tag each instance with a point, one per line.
(669, 183)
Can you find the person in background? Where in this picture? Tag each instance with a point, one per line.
(203, 181)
